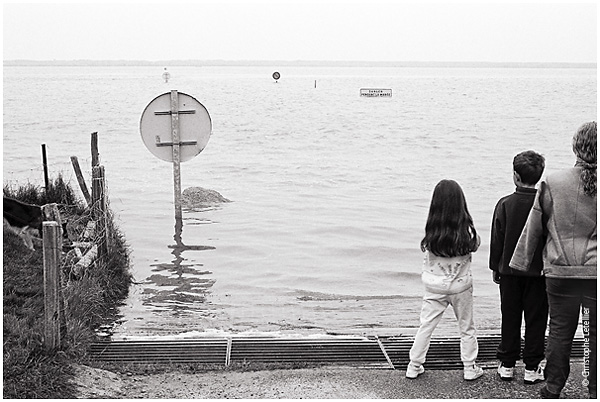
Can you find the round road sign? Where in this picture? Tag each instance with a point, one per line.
(194, 127)
(276, 75)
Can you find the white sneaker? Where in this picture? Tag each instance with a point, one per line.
(506, 373)
(413, 370)
(473, 372)
(534, 376)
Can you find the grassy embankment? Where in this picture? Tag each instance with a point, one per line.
(90, 300)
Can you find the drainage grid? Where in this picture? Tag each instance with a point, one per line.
(370, 352)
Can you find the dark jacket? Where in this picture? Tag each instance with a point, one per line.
(509, 219)
(563, 219)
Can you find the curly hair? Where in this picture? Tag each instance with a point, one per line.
(584, 147)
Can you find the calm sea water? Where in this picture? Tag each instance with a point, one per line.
(330, 190)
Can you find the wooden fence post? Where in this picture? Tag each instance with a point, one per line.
(51, 213)
(45, 165)
(81, 180)
(99, 210)
(52, 303)
(95, 154)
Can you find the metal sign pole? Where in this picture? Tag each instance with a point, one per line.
(186, 141)
(175, 148)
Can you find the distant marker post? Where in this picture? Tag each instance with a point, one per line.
(276, 76)
(166, 75)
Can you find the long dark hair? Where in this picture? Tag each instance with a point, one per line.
(449, 231)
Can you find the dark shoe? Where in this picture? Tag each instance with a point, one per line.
(547, 394)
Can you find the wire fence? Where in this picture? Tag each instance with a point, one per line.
(91, 244)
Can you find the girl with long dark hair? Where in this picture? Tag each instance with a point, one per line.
(450, 238)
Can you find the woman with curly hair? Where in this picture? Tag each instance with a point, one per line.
(564, 217)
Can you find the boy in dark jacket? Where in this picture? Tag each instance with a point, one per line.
(520, 292)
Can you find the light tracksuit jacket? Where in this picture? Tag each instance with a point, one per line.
(567, 217)
(446, 275)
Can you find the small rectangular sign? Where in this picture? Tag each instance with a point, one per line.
(375, 92)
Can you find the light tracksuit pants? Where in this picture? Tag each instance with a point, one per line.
(433, 308)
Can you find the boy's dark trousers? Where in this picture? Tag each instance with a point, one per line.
(523, 295)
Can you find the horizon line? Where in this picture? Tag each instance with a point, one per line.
(214, 62)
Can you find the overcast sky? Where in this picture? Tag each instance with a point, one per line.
(285, 30)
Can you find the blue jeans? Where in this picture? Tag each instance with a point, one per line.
(566, 297)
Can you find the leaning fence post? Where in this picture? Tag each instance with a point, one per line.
(81, 180)
(52, 311)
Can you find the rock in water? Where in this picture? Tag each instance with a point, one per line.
(198, 196)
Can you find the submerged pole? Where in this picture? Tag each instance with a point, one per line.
(176, 156)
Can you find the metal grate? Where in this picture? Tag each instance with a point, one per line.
(161, 351)
(444, 353)
(346, 351)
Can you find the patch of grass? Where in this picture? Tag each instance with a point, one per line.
(58, 191)
(30, 371)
